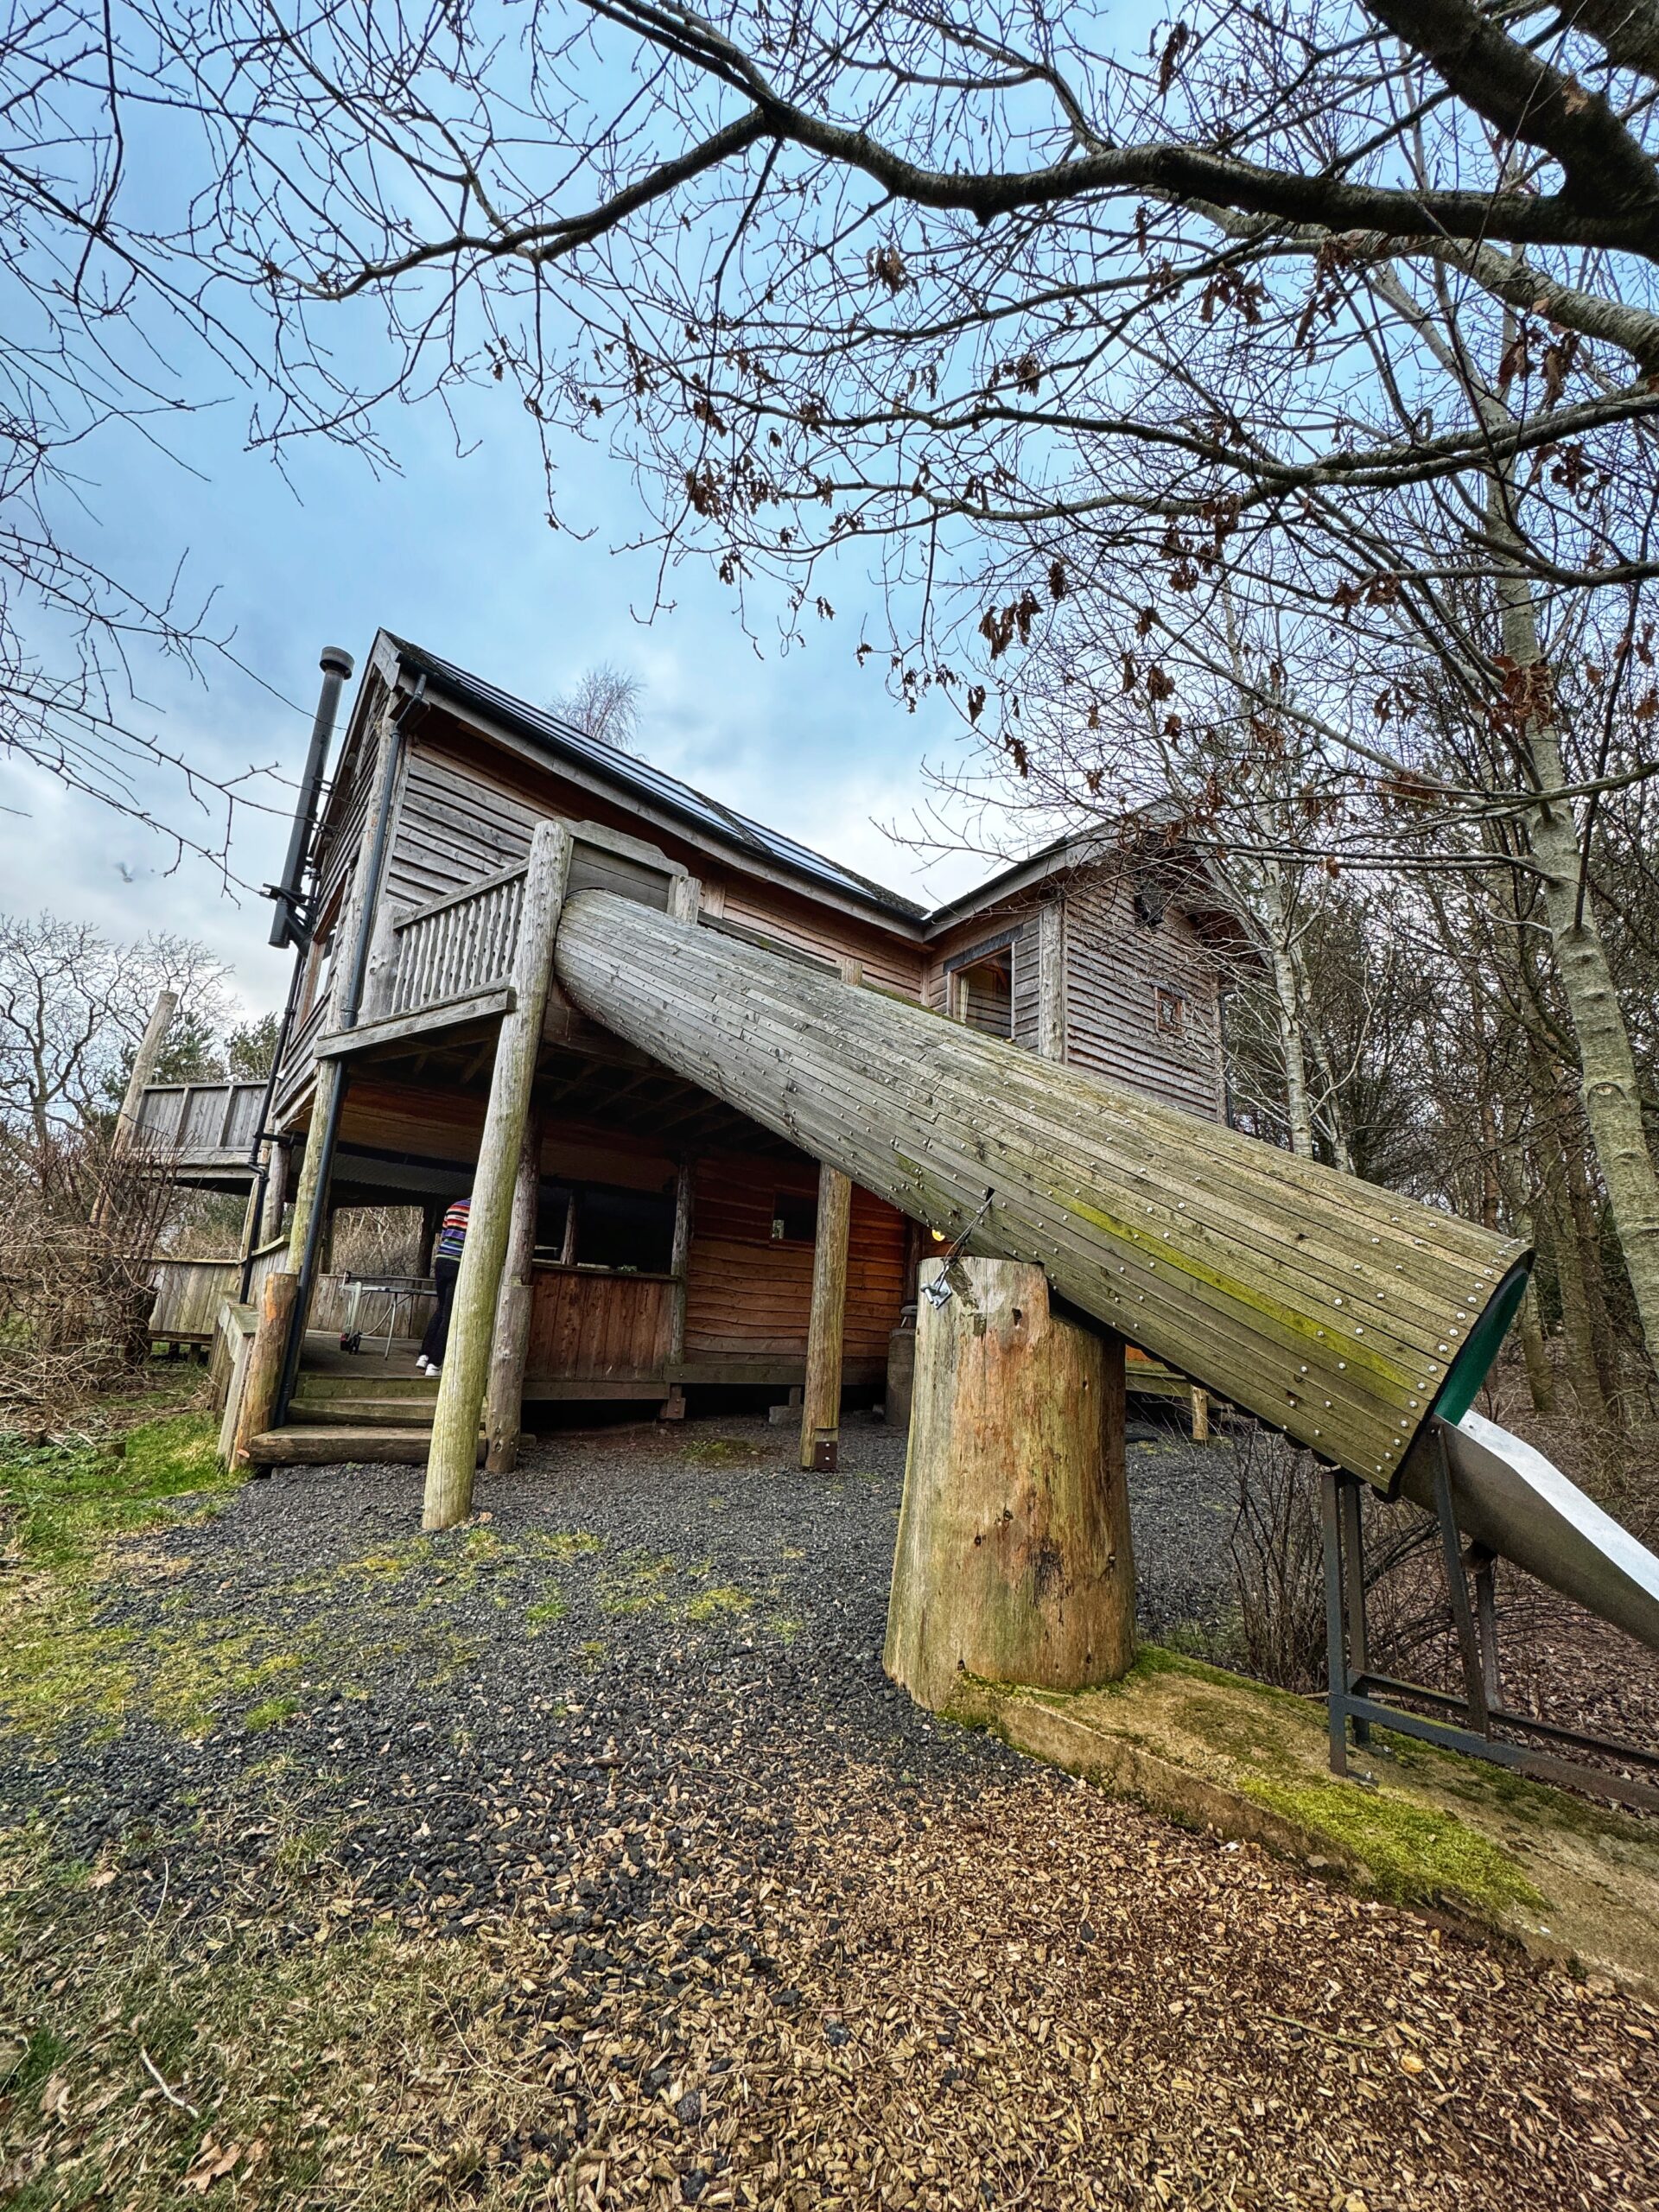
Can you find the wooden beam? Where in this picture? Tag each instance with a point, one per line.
(1013, 1560)
(466, 1363)
(503, 1404)
(144, 1069)
(443, 1015)
(821, 1405)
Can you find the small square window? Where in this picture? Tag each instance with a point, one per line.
(795, 1217)
(1171, 1012)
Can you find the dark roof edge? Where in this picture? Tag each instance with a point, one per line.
(702, 815)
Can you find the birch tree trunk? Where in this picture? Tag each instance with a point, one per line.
(1288, 1004)
(1612, 1101)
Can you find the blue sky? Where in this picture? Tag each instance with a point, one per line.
(457, 554)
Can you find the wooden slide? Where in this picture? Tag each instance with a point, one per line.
(1360, 1323)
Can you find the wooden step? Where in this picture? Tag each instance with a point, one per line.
(367, 1384)
(324, 1447)
(310, 1411)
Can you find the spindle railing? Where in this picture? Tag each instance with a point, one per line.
(460, 945)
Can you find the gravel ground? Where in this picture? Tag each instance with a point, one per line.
(690, 1905)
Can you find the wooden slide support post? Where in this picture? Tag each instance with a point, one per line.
(821, 1403)
(1014, 1560)
(503, 1404)
(263, 1372)
(453, 1454)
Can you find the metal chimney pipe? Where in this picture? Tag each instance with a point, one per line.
(336, 666)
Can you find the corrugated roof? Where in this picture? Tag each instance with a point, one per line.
(563, 740)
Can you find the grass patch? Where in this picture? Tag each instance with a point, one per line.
(709, 1605)
(544, 1614)
(270, 1713)
(63, 1504)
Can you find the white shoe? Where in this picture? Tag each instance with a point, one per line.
(422, 1362)
(433, 1369)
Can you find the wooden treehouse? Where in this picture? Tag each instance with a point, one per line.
(664, 1242)
(725, 1110)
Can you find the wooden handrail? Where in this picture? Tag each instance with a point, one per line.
(460, 898)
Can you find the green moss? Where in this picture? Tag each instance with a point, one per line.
(785, 1626)
(722, 1451)
(544, 1613)
(1411, 1851)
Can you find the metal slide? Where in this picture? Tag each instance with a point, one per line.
(1359, 1323)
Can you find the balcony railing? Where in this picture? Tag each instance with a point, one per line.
(460, 945)
(188, 1120)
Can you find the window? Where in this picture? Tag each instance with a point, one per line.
(983, 995)
(795, 1217)
(1171, 1010)
(600, 1225)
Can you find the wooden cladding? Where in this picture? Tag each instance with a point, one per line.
(748, 1293)
(1120, 974)
(597, 1328)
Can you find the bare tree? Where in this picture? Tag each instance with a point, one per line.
(71, 1001)
(604, 703)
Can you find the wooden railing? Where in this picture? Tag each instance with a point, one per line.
(189, 1119)
(459, 945)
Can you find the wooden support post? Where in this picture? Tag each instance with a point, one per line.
(453, 1454)
(309, 1193)
(1200, 1415)
(263, 1375)
(821, 1404)
(271, 1219)
(143, 1073)
(1014, 1560)
(504, 1405)
(680, 1255)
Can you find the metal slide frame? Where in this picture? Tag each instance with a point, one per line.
(1360, 1698)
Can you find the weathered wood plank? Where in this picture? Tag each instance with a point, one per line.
(1331, 1309)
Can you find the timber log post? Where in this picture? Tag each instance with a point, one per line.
(505, 1403)
(144, 1062)
(1014, 1560)
(826, 1325)
(466, 1363)
(263, 1372)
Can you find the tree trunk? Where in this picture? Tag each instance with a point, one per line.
(454, 1455)
(1612, 1101)
(1014, 1562)
(1287, 998)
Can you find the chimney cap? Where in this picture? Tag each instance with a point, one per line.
(336, 661)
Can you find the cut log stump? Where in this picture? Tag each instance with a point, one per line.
(1014, 1560)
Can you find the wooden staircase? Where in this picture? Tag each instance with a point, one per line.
(363, 1417)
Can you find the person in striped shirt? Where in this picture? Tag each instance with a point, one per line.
(446, 1266)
